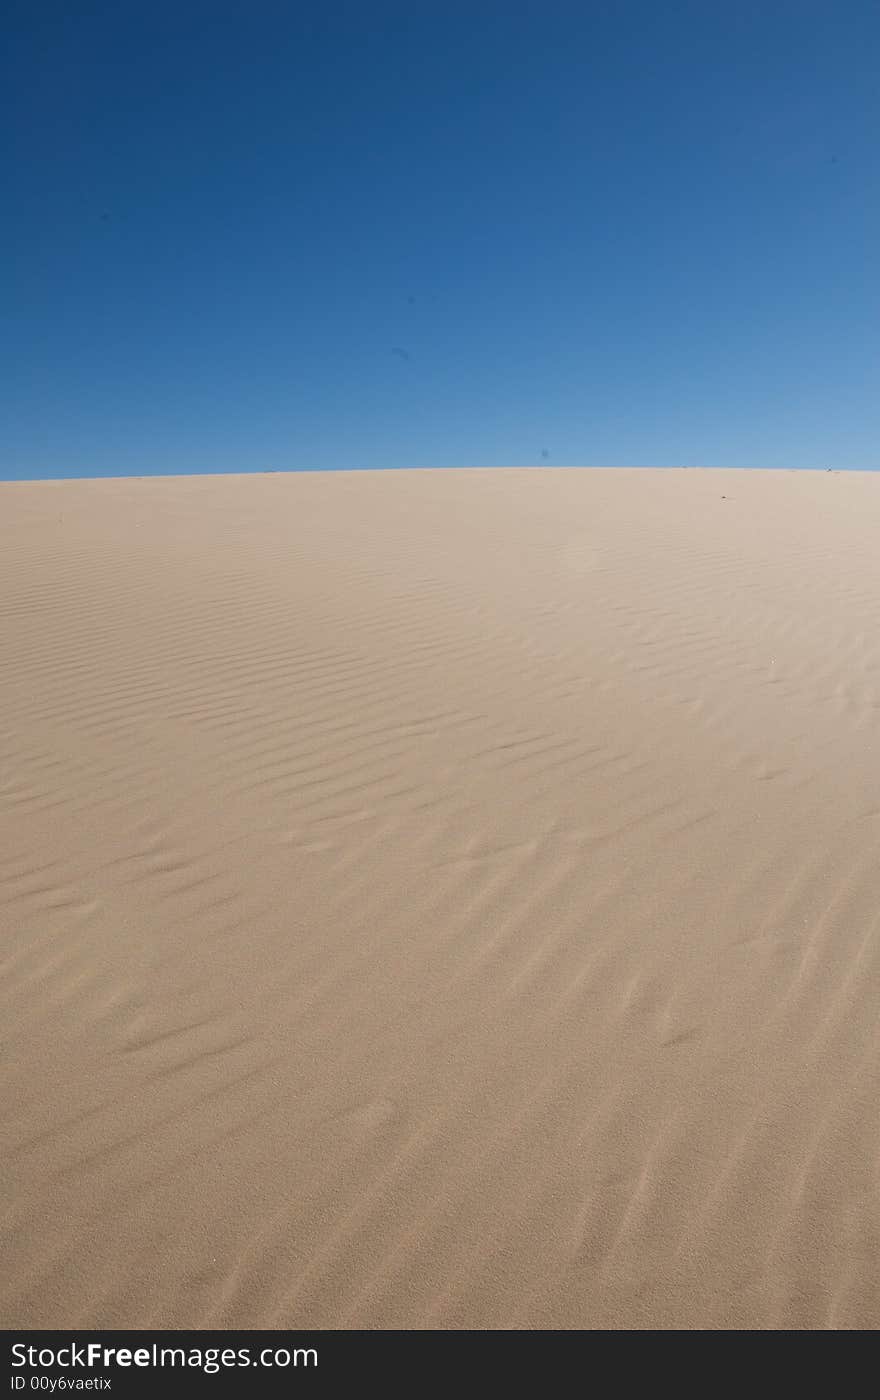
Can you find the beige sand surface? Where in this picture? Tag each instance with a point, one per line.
(441, 899)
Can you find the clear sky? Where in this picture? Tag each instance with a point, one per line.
(249, 236)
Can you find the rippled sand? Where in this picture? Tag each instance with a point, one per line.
(441, 899)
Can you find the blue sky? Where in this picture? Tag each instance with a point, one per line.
(284, 236)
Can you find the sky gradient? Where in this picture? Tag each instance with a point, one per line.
(287, 236)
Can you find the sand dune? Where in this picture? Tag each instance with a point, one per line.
(441, 899)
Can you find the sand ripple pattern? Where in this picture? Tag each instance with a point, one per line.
(441, 899)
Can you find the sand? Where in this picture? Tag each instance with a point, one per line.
(441, 900)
